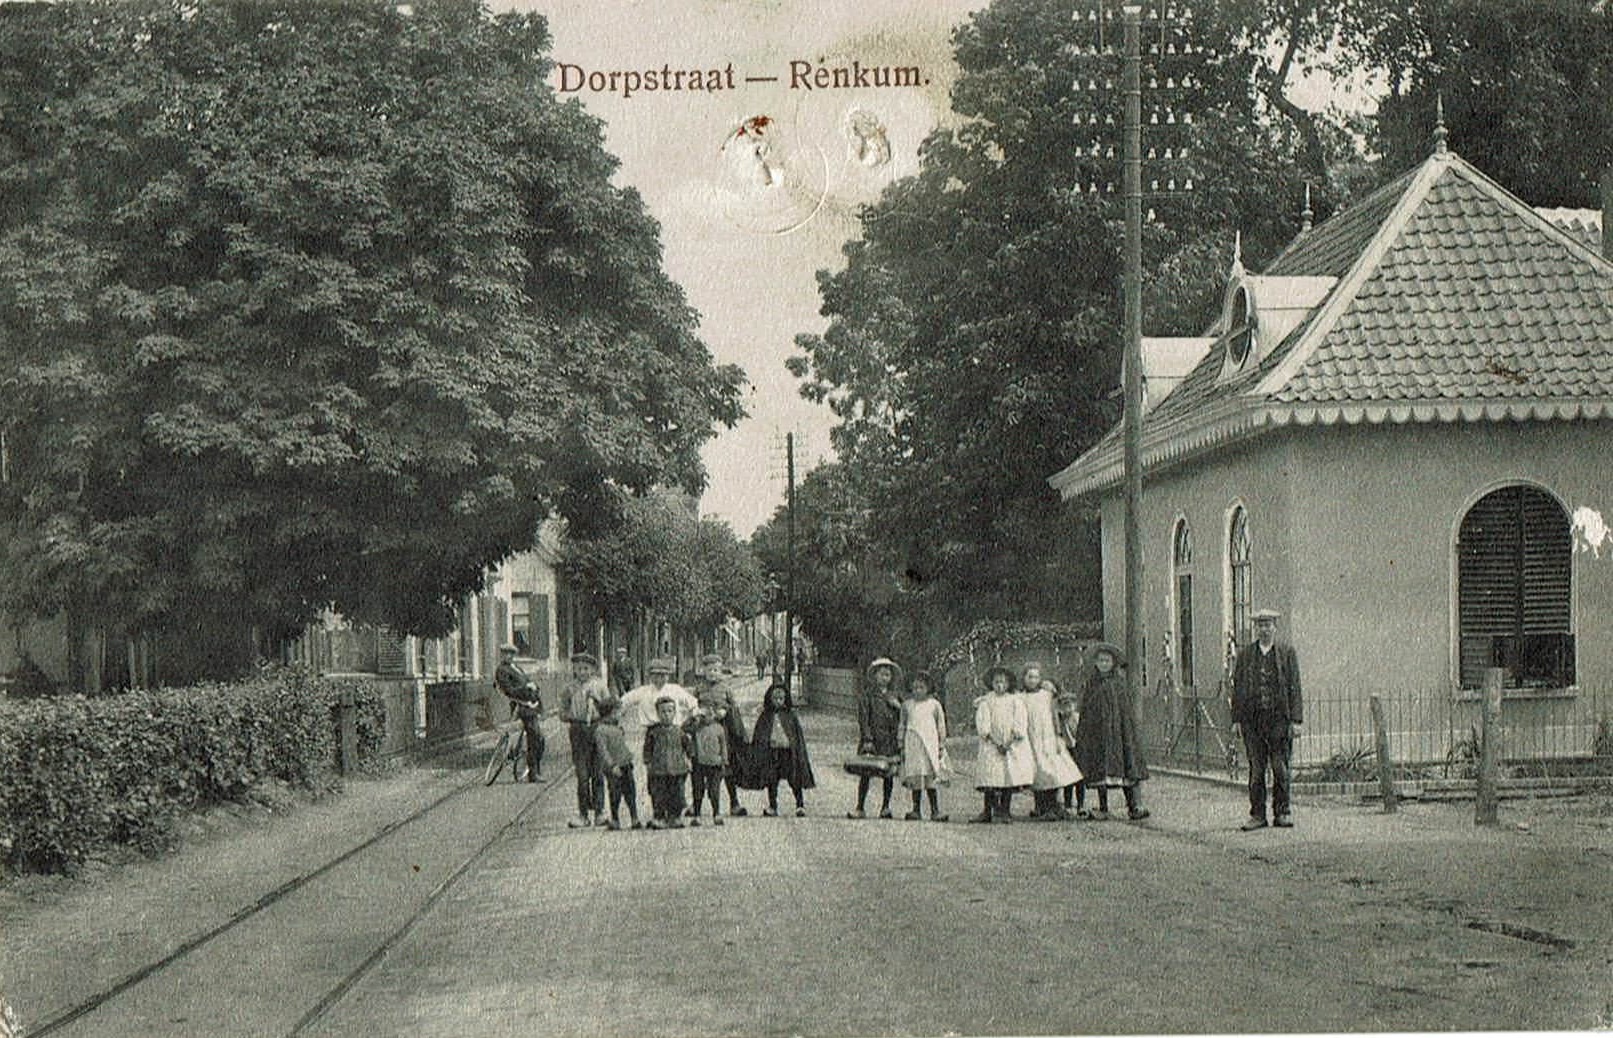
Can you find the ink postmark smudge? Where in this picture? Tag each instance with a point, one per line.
(772, 182)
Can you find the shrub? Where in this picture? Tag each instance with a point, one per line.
(83, 774)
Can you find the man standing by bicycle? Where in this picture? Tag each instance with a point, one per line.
(518, 688)
(583, 703)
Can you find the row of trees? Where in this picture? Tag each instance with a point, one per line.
(973, 344)
(312, 305)
(653, 558)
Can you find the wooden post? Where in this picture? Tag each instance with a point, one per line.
(1386, 767)
(347, 729)
(1484, 811)
(1132, 367)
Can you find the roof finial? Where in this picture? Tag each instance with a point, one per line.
(1440, 133)
(1305, 214)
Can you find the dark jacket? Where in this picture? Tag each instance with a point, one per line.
(611, 745)
(1106, 742)
(623, 677)
(767, 772)
(514, 683)
(710, 742)
(667, 749)
(877, 723)
(1288, 706)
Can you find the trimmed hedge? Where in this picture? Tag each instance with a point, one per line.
(79, 775)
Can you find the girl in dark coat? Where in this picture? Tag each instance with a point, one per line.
(779, 750)
(1107, 749)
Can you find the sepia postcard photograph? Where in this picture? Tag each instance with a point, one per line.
(708, 518)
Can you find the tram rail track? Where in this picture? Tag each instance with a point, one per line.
(191, 945)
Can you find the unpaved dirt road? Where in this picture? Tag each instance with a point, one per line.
(1352, 921)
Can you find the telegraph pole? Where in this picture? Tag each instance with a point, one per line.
(1132, 188)
(789, 576)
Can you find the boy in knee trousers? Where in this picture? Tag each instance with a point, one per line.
(709, 762)
(667, 749)
(617, 762)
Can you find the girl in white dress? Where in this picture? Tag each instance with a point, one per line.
(1004, 763)
(1055, 768)
(923, 738)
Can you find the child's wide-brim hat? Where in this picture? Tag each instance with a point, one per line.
(1111, 648)
(660, 665)
(896, 669)
(992, 672)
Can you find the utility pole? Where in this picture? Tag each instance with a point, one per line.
(1132, 367)
(789, 576)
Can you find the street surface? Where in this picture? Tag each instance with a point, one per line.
(1352, 921)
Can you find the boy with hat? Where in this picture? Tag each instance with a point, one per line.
(583, 701)
(638, 706)
(1266, 705)
(518, 688)
(718, 702)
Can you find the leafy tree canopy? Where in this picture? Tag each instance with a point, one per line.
(973, 342)
(656, 557)
(310, 304)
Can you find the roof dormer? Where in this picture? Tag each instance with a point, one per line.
(1258, 312)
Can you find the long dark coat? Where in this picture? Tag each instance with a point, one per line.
(741, 761)
(1106, 743)
(762, 755)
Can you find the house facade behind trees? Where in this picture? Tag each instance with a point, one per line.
(1398, 436)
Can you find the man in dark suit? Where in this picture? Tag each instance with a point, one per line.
(518, 688)
(1266, 704)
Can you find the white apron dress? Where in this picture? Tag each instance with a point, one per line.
(1003, 718)
(1055, 768)
(924, 733)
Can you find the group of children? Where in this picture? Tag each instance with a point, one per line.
(1033, 735)
(698, 740)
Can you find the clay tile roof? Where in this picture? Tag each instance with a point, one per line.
(1471, 301)
(1455, 301)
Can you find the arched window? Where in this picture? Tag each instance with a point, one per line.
(1239, 550)
(1182, 569)
(1514, 563)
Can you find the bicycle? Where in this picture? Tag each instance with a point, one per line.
(511, 748)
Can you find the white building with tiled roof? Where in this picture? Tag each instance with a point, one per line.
(1398, 435)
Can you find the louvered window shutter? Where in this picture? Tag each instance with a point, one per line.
(1514, 558)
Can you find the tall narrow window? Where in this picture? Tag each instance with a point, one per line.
(521, 624)
(1514, 562)
(1239, 552)
(539, 627)
(1182, 565)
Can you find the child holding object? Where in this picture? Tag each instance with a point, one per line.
(879, 715)
(667, 748)
(923, 738)
(1055, 769)
(1004, 763)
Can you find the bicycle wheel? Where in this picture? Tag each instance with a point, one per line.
(518, 756)
(495, 764)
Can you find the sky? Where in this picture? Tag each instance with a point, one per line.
(745, 235)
